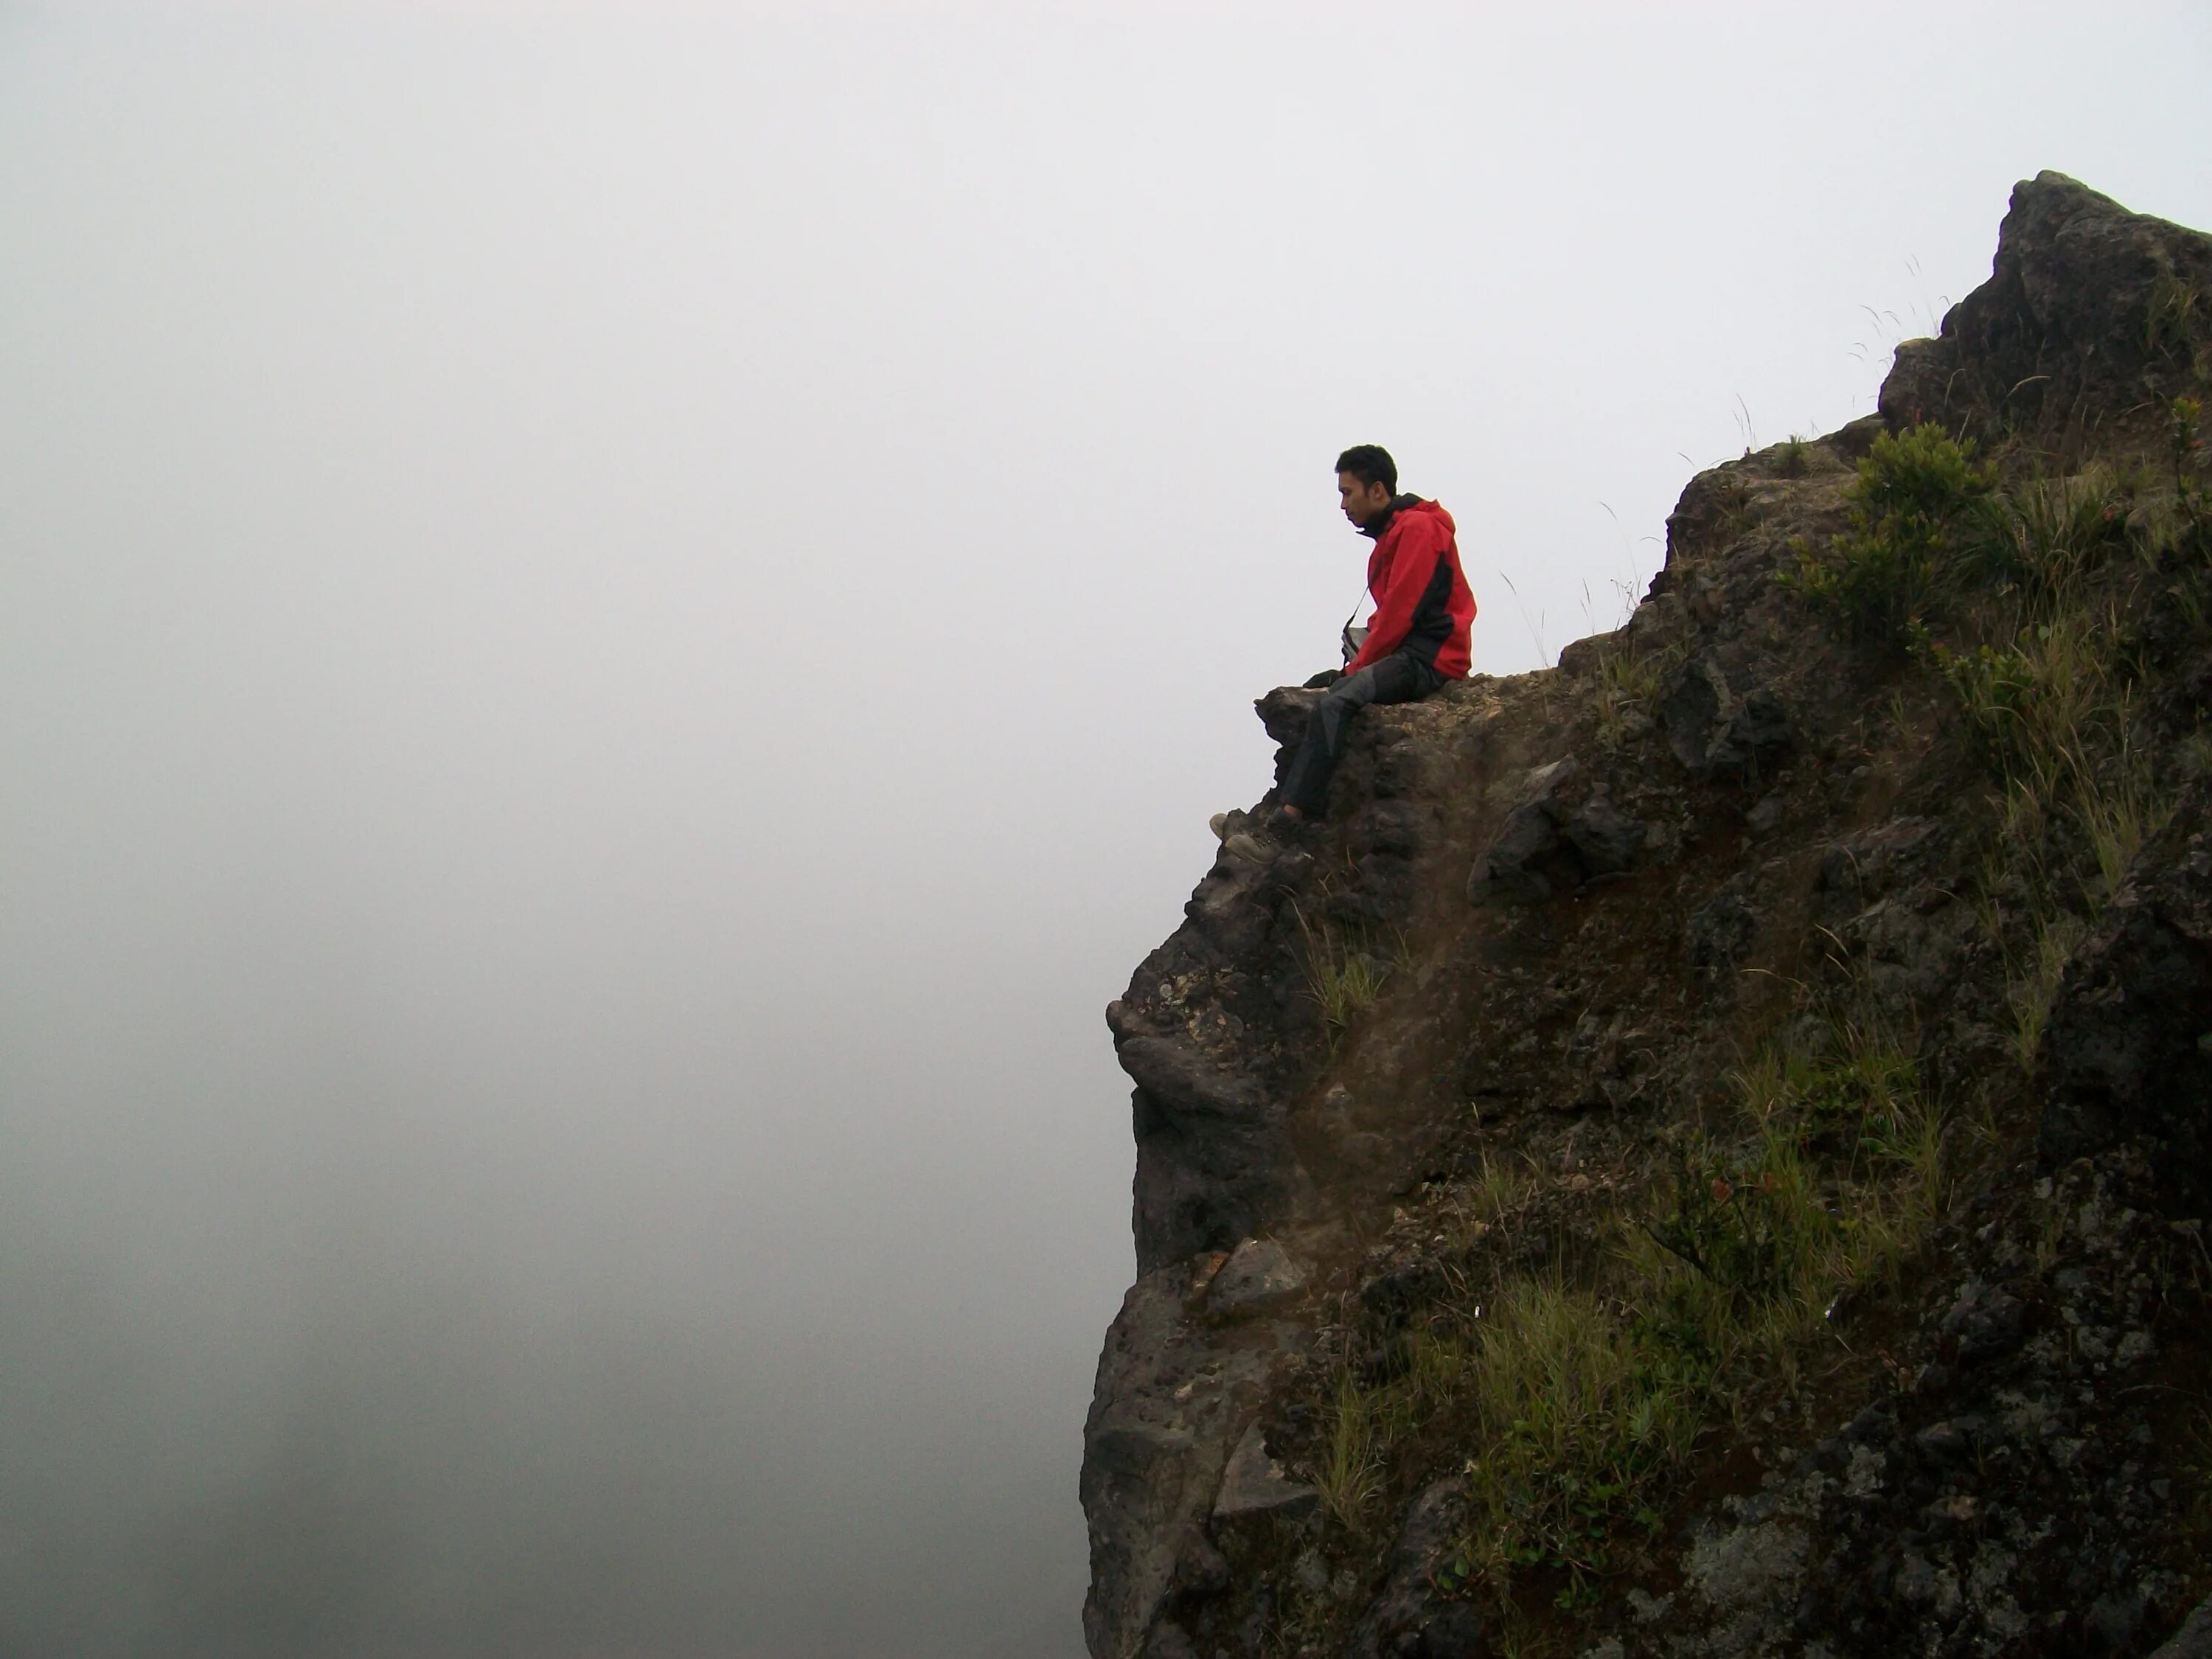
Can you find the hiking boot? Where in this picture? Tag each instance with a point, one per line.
(1253, 849)
(1259, 837)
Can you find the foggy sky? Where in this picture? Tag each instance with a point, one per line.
(617, 623)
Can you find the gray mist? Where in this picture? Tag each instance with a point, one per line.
(617, 623)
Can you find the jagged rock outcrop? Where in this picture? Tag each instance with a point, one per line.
(1438, 1047)
(2088, 322)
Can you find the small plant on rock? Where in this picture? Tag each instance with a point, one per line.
(2171, 317)
(1735, 503)
(2032, 987)
(2184, 418)
(1344, 975)
(1628, 680)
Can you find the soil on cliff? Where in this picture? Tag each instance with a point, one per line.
(1703, 1153)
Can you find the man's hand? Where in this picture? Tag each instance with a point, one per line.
(1322, 681)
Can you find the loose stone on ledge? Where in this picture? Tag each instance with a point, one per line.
(1254, 1484)
(1258, 1273)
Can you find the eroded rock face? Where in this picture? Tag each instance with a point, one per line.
(2193, 1640)
(1512, 868)
(1213, 1155)
(1164, 1416)
(1220, 1033)
(1606, 841)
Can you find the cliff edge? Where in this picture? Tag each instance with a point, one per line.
(1703, 1152)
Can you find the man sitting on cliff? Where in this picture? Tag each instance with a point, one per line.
(1416, 640)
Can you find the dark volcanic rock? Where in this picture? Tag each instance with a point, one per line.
(1517, 865)
(1510, 870)
(1214, 1159)
(2193, 1640)
(1722, 929)
(1253, 1483)
(1154, 1448)
(1453, 1632)
(1258, 1274)
(1284, 711)
(1983, 1322)
(1870, 862)
(1407, 1610)
(1722, 724)
(2069, 329)
(1605, 838)
(2129, 1045)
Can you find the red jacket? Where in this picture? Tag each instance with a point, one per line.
(1422, 601)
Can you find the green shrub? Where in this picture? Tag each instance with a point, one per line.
(1911, 511)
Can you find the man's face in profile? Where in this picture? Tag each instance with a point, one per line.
(1362, 502)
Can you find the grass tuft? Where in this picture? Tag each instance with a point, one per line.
(1350, 1475)
(2032, 987)
(2171, 317)
(1344, 975)
(1628, 681)
(2047, 536)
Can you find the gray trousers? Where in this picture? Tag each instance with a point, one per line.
(1398, 678)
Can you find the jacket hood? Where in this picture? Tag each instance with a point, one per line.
(1399, 504)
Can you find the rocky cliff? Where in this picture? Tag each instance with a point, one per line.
(1703, 1152)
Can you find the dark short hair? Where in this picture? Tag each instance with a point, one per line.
(1371, 465)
